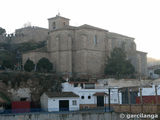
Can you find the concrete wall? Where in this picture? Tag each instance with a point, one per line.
(44, 102)
(71, 116)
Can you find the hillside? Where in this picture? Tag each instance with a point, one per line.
(36, 82)
(12, 53)
(152, 61)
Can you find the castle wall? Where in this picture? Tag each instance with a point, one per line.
(27, 34)
(33, 34)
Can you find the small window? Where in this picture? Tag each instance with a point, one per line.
(23, 99)
(74, 102)
(89, 97)
(64, 23)
(95, 40)
(82, 97)
(89, 86)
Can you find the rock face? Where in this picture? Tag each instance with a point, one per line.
(21, 93)
(28, 86)
(83, 50)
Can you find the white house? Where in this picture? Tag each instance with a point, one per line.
(150, 91)
(92, 94)
(151, 71)
(53, 101)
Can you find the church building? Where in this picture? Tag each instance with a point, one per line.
(83, 50)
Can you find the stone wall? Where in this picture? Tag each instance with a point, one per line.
(27, 34)
(34, 56)
(30, 34)
(59, 116)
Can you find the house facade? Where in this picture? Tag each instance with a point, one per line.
(66, 101)
(92, 95)
(83, 50)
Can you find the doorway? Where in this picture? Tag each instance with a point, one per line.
(100, 101)
(64, 105)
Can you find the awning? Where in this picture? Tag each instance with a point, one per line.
(100, 94)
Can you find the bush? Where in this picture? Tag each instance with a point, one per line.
(118, 66)
(29, 65)
(44, 65)
(7, 64)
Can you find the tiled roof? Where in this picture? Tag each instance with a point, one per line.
(60, 94)
(58, 16)
(91, 27)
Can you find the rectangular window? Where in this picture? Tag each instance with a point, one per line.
(95, 40)
(74, 102)
(89, 86)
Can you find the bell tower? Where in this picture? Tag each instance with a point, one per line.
(58, 22)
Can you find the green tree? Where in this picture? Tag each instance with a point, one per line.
(44, 65)
(2, 31)
(7, 64)
(29, 65)
(117, 65)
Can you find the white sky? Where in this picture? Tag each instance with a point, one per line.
(135, 18)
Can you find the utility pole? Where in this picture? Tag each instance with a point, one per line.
(109, 97)
(141, 97)
(156, 94)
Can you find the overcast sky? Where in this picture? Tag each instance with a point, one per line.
(135, 18)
